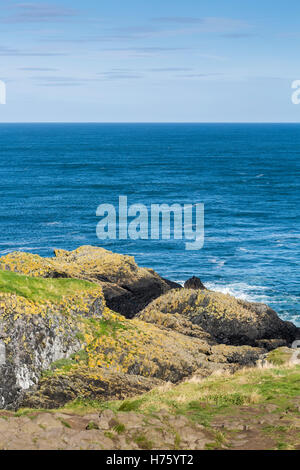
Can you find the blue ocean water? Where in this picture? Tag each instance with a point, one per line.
(53, 177)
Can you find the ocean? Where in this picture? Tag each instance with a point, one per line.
(54, 176)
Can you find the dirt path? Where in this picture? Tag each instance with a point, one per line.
(249, 427)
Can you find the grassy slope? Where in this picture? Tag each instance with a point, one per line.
(40, 289)
(251, 409)
(242, 395)
(213, 395)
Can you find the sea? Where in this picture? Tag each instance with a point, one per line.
(54, 176)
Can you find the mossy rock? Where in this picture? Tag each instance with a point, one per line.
(127, 287)
(227, 319)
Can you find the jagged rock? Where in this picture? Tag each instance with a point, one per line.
(34, 335)
(226, 319)
(59, 340)
(81, 348)
(127, 287)
(241, 355)
(194, 283)
(57, 390)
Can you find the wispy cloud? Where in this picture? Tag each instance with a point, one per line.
(7, 51)
(119, 76)
(170, 69)
(37, 69)
(178, 19)
(237, 35)
(55, 80)
(143, 51)
(202, 75)
(60, 80)
(162, 27)
(61, 84)
(209, 24)
(37, 12)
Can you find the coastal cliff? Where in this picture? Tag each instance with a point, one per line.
(60, 338)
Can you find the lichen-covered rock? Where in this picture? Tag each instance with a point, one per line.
(55, 391)
(60, 341)
(127, 287)
(35, 334)
(226, 319)
(241, 355)
(121, 351)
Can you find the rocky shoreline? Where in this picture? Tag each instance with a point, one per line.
(92, 324)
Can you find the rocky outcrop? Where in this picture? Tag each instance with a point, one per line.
(131, 351)
(226, 319)
(34, 335)
(55, 391)
(127, 287)
(59, 339)
(57, 347)
(194, 283)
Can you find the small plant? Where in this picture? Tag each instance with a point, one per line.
(142, 441)
(119, 428)
(65, 423)
(130, 405)
(92, 425)
(177, 441)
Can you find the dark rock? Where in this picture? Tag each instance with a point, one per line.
(194, 283)
(228, 320)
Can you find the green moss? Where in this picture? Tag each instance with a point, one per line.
(105, 326)
(40, 289)
(29, 412)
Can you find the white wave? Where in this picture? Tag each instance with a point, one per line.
(240, 290)
(219, 262)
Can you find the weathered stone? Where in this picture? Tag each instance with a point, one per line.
(226, 319)
(127, 287)
(194, 283)
(36, 335)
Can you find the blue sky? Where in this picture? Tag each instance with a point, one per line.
(149, 61)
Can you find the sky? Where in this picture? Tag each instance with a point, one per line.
(149, 61)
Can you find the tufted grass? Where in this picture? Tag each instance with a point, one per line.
(41, 289)
(202, 400)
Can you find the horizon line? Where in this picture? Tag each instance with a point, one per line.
(149, 122)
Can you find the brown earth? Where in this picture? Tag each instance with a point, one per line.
(258, 427)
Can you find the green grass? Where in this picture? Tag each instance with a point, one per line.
(40, 289)
(105, 327)
(130, 405)
(92, 425)
(279, 356)
(119, 428)
(65, 423)
(143, 442)
(212, 396)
